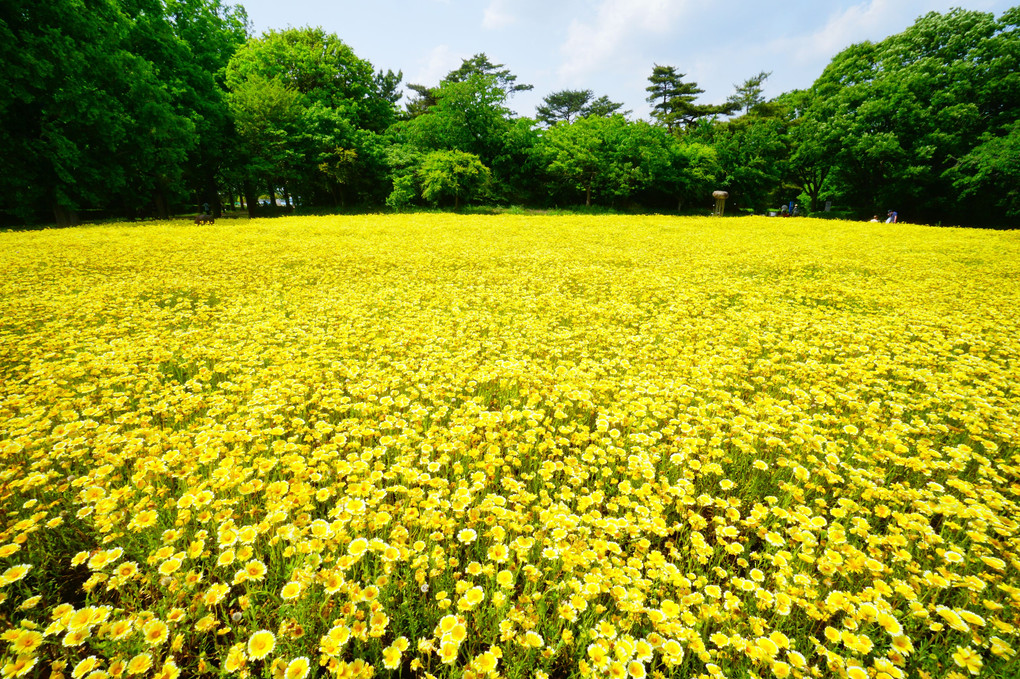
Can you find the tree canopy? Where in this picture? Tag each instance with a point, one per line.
(149, 108)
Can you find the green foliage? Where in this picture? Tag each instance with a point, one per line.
(321, 67)
(991, 171)
(451, 174)
(605, 159)
(752, 151)
(566, 105)
(894, 118)
(469, 116)
(309, 111)
(150, 107)
(472, 116)
(69, 117)
(749, 95)
(672, 99)
(109, 103)
(403, 194)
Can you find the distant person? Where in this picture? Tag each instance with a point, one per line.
(891, 217)
(875, 218)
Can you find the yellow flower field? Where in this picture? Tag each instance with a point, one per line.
(517, 446)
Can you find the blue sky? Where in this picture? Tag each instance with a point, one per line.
(608, 46)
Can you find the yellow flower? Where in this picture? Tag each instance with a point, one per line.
(533, 639)
(225, 558)
(1001, 648)
(155, 632)
(781, 669)
(767, 646)
(126, 570)
(673, 648)
(357, 547)
(297, 668)
(26, 641)
(206, 623)
(890, 624)
(75, 637)
(635, 669)
(215, 594)
(486, 662)
(457, 634)
(144, 519)
(448, 652)
(20, 666)
(474, 596)
(291, 591)
(139, 664)
(965, 657)
(84, 667)
(14, 573)
(498, 553)
(168, 671)
(170, 566)
(235, 659)
(261, 644)
(391, 658)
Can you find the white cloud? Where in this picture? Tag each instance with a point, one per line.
(497, 15)
(590, 45)
(871, 20)
(440, 61)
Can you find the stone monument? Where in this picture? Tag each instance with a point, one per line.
(720, 202)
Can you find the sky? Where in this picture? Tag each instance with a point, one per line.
(607, 46)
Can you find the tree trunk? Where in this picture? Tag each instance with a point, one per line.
(162, 211)
(65, 216)
(587, 196)
(250, 198)
(286, 198)
(212, 196)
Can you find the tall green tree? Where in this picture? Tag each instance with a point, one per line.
(749, 94)
(210, 32)
(683, 173)
(472, 116)
(751, 152)
(989, 174)
(908, 108)
(446, 174)
(68, 119)
(110, 101)
(673, 99)
(314, 132)
(480, 64)
(567, 105)
(813, 144)
(601, 159)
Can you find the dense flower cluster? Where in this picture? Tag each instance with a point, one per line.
(510, 446)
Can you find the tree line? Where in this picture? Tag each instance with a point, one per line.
(150, 108)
